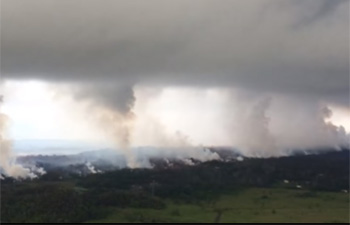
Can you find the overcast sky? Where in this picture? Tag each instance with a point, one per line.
(299, 46)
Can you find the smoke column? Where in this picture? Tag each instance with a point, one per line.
(7, 157)
(254, 137)
(119, 126)
(111, 106)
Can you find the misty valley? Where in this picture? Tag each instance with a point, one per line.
(89, 187)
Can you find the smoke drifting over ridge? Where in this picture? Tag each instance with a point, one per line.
(274, 66)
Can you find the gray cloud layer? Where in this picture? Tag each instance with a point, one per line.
(284, 46)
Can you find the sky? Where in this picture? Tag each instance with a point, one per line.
(260, 75)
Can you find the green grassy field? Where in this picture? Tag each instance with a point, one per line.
(250, 205)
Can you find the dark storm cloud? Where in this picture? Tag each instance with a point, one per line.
(252, 44)
(118, 98)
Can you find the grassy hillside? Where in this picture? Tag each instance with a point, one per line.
(250, 205)
(306, 188)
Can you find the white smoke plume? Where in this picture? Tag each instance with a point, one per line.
(119, 127)
(91, 168)
(183, 154)
(256, 124)
(305, 124)
(276, 126)
(253, 136)
(8, 158)
(111, 106)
